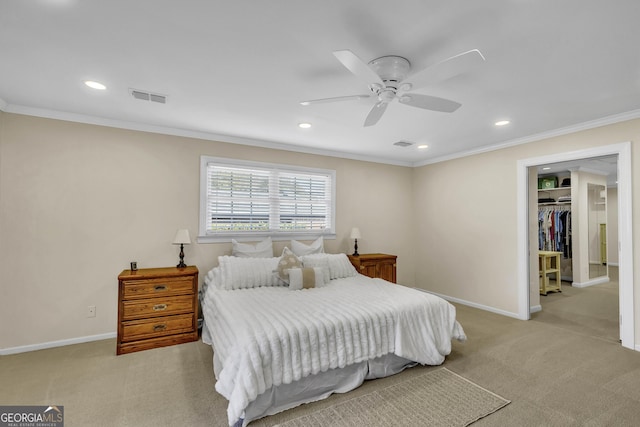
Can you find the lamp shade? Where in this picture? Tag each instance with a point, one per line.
(355, 233)
(182, 237)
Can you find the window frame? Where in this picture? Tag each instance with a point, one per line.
(226, 236)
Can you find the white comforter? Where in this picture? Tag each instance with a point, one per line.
(268, 336)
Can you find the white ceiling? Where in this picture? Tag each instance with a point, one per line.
(237, 70)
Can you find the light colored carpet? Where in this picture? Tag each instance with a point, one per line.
(435, 398)
(562, 368)
(592, 311)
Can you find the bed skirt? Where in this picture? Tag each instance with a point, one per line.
(321, 386)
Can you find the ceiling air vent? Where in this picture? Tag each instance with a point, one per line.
(403, 144)
(147, 96)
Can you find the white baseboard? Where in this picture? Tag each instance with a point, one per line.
(51, 344)
(473, 304)
(598, 281)
(535, 309)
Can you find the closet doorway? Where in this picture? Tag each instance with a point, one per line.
(528, 267)
(577, 218)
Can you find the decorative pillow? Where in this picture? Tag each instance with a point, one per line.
(288, 260)
(241, 273)
(263, 249)
(300, 249)
(306, 278)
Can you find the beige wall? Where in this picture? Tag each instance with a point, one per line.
(79, 202)
(466, 211)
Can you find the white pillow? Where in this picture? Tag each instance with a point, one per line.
(317, 261)
(263, 249)
(242, 273)
(300, 249)
(212, 278)
(306, 278)
(338, 265)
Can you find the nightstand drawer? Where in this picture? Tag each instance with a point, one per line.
(160, 326)
(148, 288)
(144, 308)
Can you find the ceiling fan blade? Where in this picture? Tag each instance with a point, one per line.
(357, 66)
(335, 99)
(446, 69)
(376, 112)
(429, 102)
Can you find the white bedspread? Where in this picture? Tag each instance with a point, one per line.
(268, 336)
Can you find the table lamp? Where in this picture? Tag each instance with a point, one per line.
(355, 234)
(182, 238)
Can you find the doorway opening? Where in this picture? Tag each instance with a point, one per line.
(527, 227)
(577, 217)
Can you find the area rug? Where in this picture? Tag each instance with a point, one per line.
(435, 398)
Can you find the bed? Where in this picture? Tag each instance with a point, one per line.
(286, 336)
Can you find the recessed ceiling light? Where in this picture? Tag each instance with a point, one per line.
(502, 122)
(547, 168)
(95, 85)
(423, 146)
(304, 125)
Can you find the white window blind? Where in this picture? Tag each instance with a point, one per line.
(250, 198)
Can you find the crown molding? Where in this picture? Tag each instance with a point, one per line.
(120, 124)
(592, 124)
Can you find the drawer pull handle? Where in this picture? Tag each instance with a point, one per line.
(160, 327)
(160, 288)
(159, 307)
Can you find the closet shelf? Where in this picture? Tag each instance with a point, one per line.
(554, 189)
(554, 204)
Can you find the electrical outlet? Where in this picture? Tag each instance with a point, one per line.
(91, 311)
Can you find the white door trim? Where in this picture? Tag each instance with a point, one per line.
(625, 233)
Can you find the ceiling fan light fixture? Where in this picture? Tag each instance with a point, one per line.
(391, 68)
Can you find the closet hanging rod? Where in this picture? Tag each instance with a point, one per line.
(555, 207)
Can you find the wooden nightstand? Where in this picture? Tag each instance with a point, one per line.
(382, 266)
(157, 307)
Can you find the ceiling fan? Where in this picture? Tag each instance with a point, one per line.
(388, 79)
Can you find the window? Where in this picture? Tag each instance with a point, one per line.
(240, 198)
